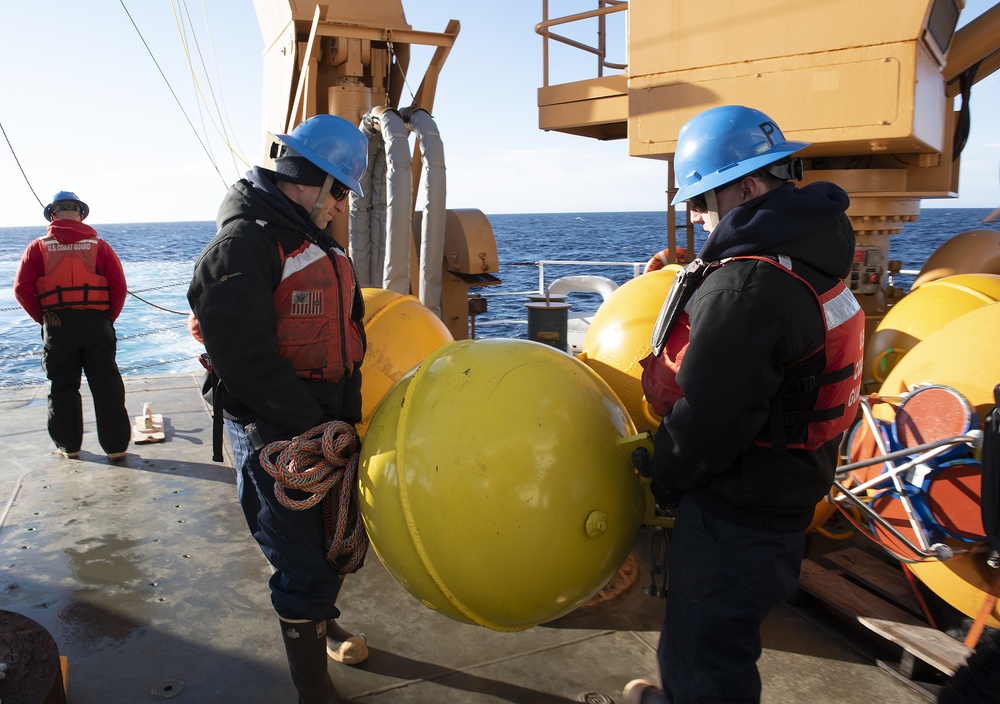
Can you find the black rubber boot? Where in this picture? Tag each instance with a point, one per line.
(305, 647)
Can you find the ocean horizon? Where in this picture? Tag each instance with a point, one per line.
(158, 259)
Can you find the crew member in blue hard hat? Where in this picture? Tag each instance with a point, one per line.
(71, 282)
(756, 370)
(278, 308)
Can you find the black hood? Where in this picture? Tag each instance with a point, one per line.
(259, 194)
(808, 224)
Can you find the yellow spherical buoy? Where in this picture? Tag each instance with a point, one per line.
(974, 251)
(401, 332)
(618, 338)
(492, 487)
(922, 312)
(961, 355)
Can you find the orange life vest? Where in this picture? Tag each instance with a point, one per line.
(71, 278)
(313, 303)
(837, 387)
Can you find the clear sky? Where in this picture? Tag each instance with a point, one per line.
(85, 109)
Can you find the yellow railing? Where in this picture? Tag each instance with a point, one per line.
(604, 8)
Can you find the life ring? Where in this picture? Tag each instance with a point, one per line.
(662, 258)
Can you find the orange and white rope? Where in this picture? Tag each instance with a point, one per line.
(323, 462)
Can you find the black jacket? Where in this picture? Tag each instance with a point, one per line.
(232, 295)
(749, 320)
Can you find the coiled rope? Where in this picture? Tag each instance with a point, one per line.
(323, 462)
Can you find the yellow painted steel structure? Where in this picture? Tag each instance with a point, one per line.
(619, 337)
(923, 311)
(874, 93)
(943, 357)
(343, 59)
(401, 332)
(492, 486)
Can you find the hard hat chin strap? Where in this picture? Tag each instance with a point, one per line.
(710, 218)
(321, 199)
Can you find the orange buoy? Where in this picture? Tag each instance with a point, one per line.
(662, 258)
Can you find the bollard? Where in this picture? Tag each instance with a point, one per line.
(548, 320)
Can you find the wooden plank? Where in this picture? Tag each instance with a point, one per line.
(848, 597)
(877, 575)
(929, 644)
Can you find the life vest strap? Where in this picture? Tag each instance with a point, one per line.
(60, 302)
(812, 416)
(810, 383)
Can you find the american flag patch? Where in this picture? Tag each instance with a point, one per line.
(307, 302)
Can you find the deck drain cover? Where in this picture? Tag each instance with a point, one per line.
(167, 689)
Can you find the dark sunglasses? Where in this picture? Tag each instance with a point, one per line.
(697, 204)
(339, 191)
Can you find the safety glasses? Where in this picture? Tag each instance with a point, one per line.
(339, 191)
(697, 204)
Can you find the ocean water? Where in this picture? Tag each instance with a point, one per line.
(158, 259)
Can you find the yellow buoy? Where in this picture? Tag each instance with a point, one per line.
(961, 355)
(922, 312)
(491, 485)
(401, 332)
(974, 251)
(618, 338)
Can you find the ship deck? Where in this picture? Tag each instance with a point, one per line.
(148, 580)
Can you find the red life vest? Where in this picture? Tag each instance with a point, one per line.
(71, 279)
(313, 304)
(834, 392)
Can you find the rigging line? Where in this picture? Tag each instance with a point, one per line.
(175, 312)
(157, 331)
(395, 63)
(176, 99)
(218, 79)
(18, 161)
(220, 130)
(194, 78)
(158, 288)
(36, 351)
(137, 367)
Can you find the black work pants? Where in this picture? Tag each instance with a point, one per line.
(84, 341)
(723, 580)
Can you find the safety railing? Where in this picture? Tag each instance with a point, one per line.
(604, 8)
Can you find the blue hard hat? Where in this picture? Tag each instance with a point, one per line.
(64, 196)
(334, 145)
(723, 144)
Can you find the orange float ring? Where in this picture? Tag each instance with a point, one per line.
(662, 258)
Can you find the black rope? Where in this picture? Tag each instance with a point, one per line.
(152, 332)
(11, 384)
(157, 364)
(167, 310)
(157, 288)
(14, 154)
(176, 99)
(963, 124)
